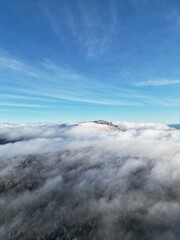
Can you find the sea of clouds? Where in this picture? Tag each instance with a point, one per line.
(88, 181)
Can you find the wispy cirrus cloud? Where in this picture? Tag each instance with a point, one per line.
(23, 97)
(55, 83)
(157, 82)
(90, 29)
(57, 95)
(9, 62)
(63, 72)
(45, 70)
(25, 105)
(100, 36)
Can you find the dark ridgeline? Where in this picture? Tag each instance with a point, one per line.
(177, 126)
(102, 122)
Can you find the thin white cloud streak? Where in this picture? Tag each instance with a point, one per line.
(49, 72)
(53, 21)
(78, 87)
(128, 98)
(133, 94)
(157, 82)
(62, 72)
(24, 105)
(97, 38)
(50, 96)
(77, 82)
(11, 63)
(88, 29)
(100, 36)
(55, 94)
(24, 97)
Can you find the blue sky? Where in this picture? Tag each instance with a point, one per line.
(80, 60)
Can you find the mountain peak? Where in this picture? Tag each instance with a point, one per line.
(103, 122)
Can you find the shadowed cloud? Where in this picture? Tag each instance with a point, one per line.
(89, 180)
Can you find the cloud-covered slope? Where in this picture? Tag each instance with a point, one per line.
(89, 181)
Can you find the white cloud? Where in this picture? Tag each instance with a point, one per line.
(80, 88)
(157, 82)
(26, 105)
(54, 79)
(90, 180)
(11, 63)
(88, 29)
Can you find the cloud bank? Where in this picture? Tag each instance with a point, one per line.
(89, 181)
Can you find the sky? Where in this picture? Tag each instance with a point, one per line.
(81, 60)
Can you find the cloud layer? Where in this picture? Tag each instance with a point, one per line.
(89, 181)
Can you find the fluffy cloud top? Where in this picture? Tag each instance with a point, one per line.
(89, 181)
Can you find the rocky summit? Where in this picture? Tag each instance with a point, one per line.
(102, 122)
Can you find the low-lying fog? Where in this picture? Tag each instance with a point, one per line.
(89, 181)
